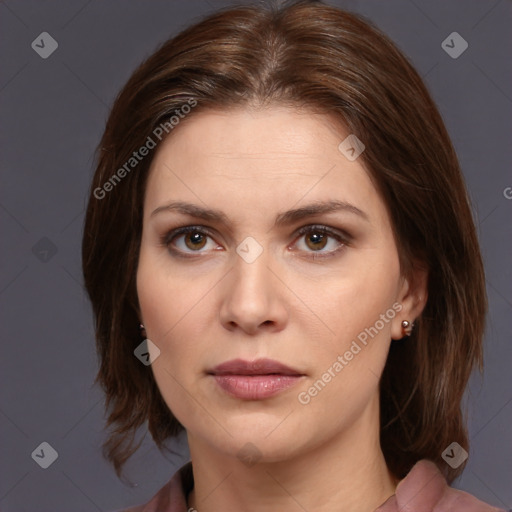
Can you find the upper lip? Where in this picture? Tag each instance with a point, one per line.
(257, 367)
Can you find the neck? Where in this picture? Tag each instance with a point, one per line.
(348, 473)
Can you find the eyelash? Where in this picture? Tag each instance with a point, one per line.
(343, 238)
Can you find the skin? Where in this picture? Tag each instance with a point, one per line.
(213, 307)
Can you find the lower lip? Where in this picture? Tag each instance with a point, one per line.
(255, 387)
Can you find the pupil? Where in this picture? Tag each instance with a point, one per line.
(317, 240)
(195, 240)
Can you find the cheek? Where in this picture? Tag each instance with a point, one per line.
(347, 370)
(358, 309)
(356, 299)
(166, 322)
(174, 309)
(166, 297)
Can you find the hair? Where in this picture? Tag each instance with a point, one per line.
(309, 55)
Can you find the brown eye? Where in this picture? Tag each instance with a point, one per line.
(195, 240)
(319, 241)
(188, 240)
(316, 240)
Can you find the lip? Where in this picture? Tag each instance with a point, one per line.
(256, 367)
(254, 380)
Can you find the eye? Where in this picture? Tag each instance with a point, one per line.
(185, 241)
(188, 239)
(316, 238)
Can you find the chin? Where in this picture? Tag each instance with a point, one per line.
(263, 440)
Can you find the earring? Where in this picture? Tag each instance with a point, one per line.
(407, 328)
(142, 330)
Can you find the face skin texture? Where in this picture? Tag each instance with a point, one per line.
(214, 306)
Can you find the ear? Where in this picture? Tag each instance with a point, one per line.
(412, 296)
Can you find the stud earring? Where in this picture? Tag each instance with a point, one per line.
(407, 328)
(142, 330)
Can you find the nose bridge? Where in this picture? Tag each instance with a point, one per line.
(251, 274)
(252, 297)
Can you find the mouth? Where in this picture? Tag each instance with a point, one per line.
(257, 367)
(254, 380)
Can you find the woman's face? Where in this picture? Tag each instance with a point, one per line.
(261, 274)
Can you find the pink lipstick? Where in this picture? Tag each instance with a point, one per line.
(254, 380)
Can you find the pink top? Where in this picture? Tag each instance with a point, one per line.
(424, 489)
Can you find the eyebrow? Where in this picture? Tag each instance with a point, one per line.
(282, 219)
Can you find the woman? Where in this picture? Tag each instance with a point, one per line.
(282, 261)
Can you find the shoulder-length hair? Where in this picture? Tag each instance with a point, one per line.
(311, 55)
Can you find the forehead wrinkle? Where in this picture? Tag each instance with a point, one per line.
(267, 155)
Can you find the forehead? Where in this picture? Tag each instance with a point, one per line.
(257, 133)
(245, 157)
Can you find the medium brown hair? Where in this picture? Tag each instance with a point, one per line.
(302, 54)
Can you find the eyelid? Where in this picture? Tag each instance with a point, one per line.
(322, 228)
(169, 236)
(340, 235)
(173, 233)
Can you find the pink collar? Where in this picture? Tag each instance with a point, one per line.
(422, 490)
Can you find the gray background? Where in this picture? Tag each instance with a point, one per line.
(53, 113)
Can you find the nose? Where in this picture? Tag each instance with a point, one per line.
(253, 298)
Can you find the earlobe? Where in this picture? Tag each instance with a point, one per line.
(407, 328)
(413, 298)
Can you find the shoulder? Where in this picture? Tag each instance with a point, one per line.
(425, 488)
